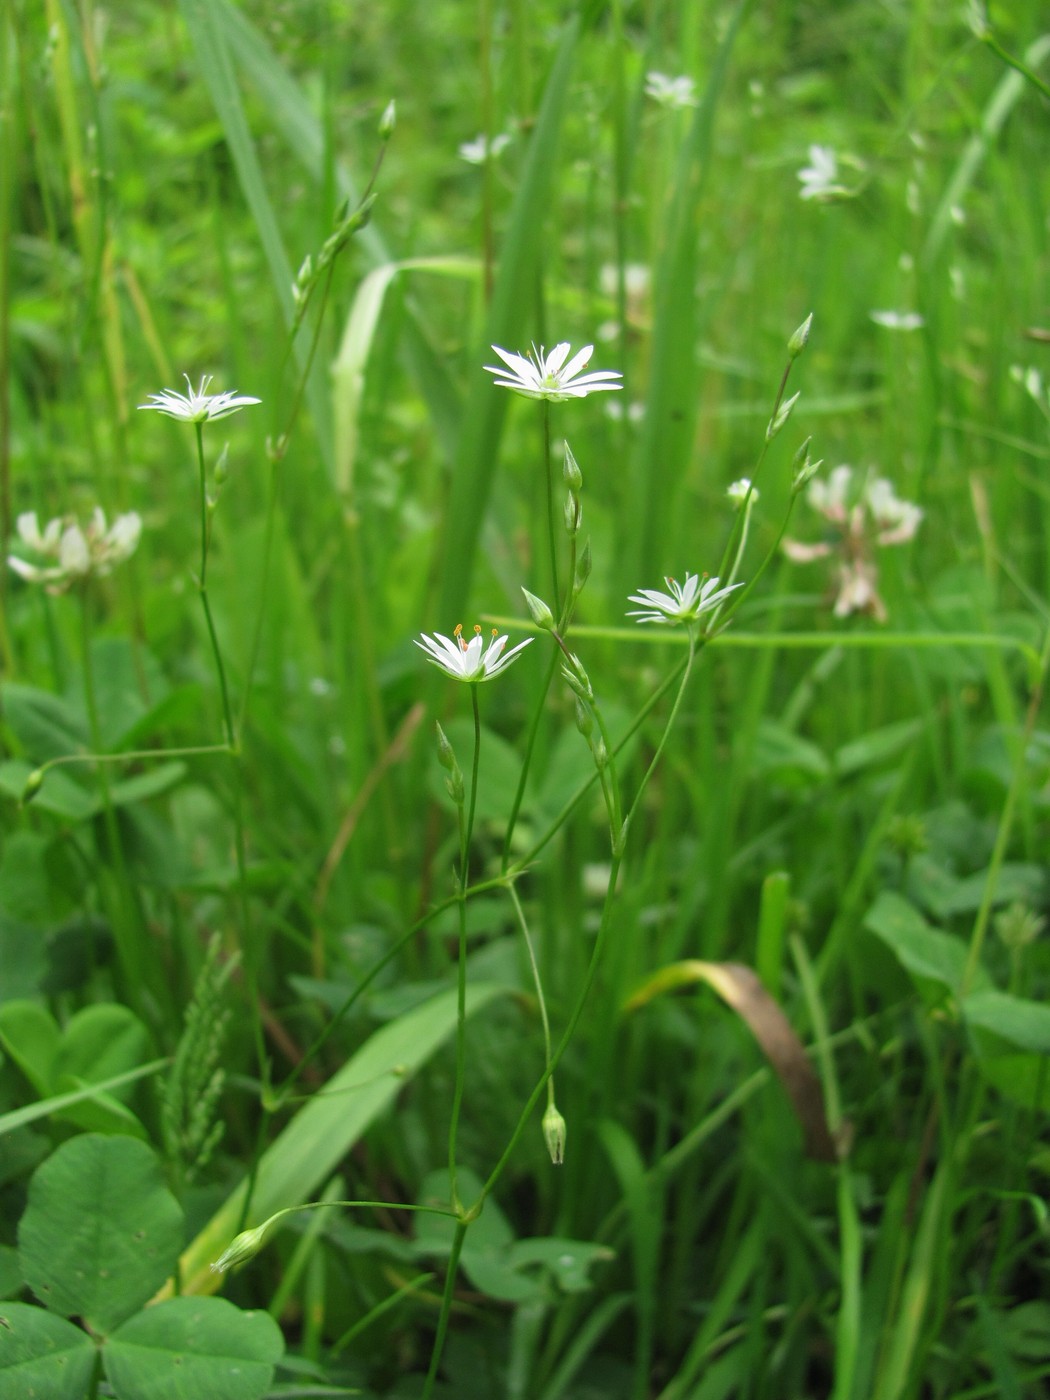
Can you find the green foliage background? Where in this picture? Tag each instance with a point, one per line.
(849, 807)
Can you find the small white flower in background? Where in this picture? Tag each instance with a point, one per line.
(614, 409)
(478, 151)
(739, 491)
(867, 514)
(684, 603)
(820, 177)
(898, 320)
(673, 93)
(65, 552)
(198, 406)
(543, 376)
(465, 661)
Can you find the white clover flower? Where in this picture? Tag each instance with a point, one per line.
(685, 602)
(543, 376)
(819, 178)
(198, 406)
(478, 151)
(675, 94)
(898, 320)
(866, 514)
(465, 661)
(65, 553)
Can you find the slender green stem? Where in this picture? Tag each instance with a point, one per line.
(466, 828)
(446, 1307)
(552, 534)
(537, 982)
(202, 589)
(530, 744)
(667, 728)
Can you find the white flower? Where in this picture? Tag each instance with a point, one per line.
(478, 151)
(465, 661)
(741, 491)
(685, 602)
(898, 320)
(866, 513)
(819, 177)
(672, 93)
(543, 376)
(198, 406)
(65, 552)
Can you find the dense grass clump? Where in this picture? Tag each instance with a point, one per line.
(646, 998)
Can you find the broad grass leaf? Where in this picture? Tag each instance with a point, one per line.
(194, 1349)
(43, 1356)
(101, 1231)
(1023, 1023)
(44, 724)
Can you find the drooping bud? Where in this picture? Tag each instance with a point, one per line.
(554, 1134)
(244, 1247)
(33, 785)
(541, 613)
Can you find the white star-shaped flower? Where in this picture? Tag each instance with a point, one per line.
(466, 661)
(543, 376)
(684, 603)
(819, 179)
(198, 406)
(478, 151)
(673, 93)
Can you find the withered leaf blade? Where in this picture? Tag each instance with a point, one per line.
(742, 991)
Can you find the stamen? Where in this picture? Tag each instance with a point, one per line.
(477, 629)
(458, 634)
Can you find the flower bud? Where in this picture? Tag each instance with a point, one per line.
(541, 613)
(246, 1246)
(781, 416)
(33, 785)
(584, 721)
(388, 121)
(573, 513)
(583, 568)
(601, 755)
(454, 787)
(797, 343)
(571, 471)
(554, 1134)
(221, 474)
(446, 753)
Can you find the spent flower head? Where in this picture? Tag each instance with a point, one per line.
(865, 513)
(547, 376)
(466, 661)
(64, 552)
(684, 603)
(197, 405)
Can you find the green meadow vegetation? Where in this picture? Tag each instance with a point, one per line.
(642, 993)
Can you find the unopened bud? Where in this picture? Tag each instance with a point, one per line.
(554, 1134)
(584, 721)
(601, 755)
(33, 785)
(578, 678)
(246, 1246)
(571, 471)
(583, 568)
(388, 121)
(221, 474)
(805, 474)
(781, 416)
(446, 753)
(541, 613)
(454, 786)
(573, 513)
(797, 343)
